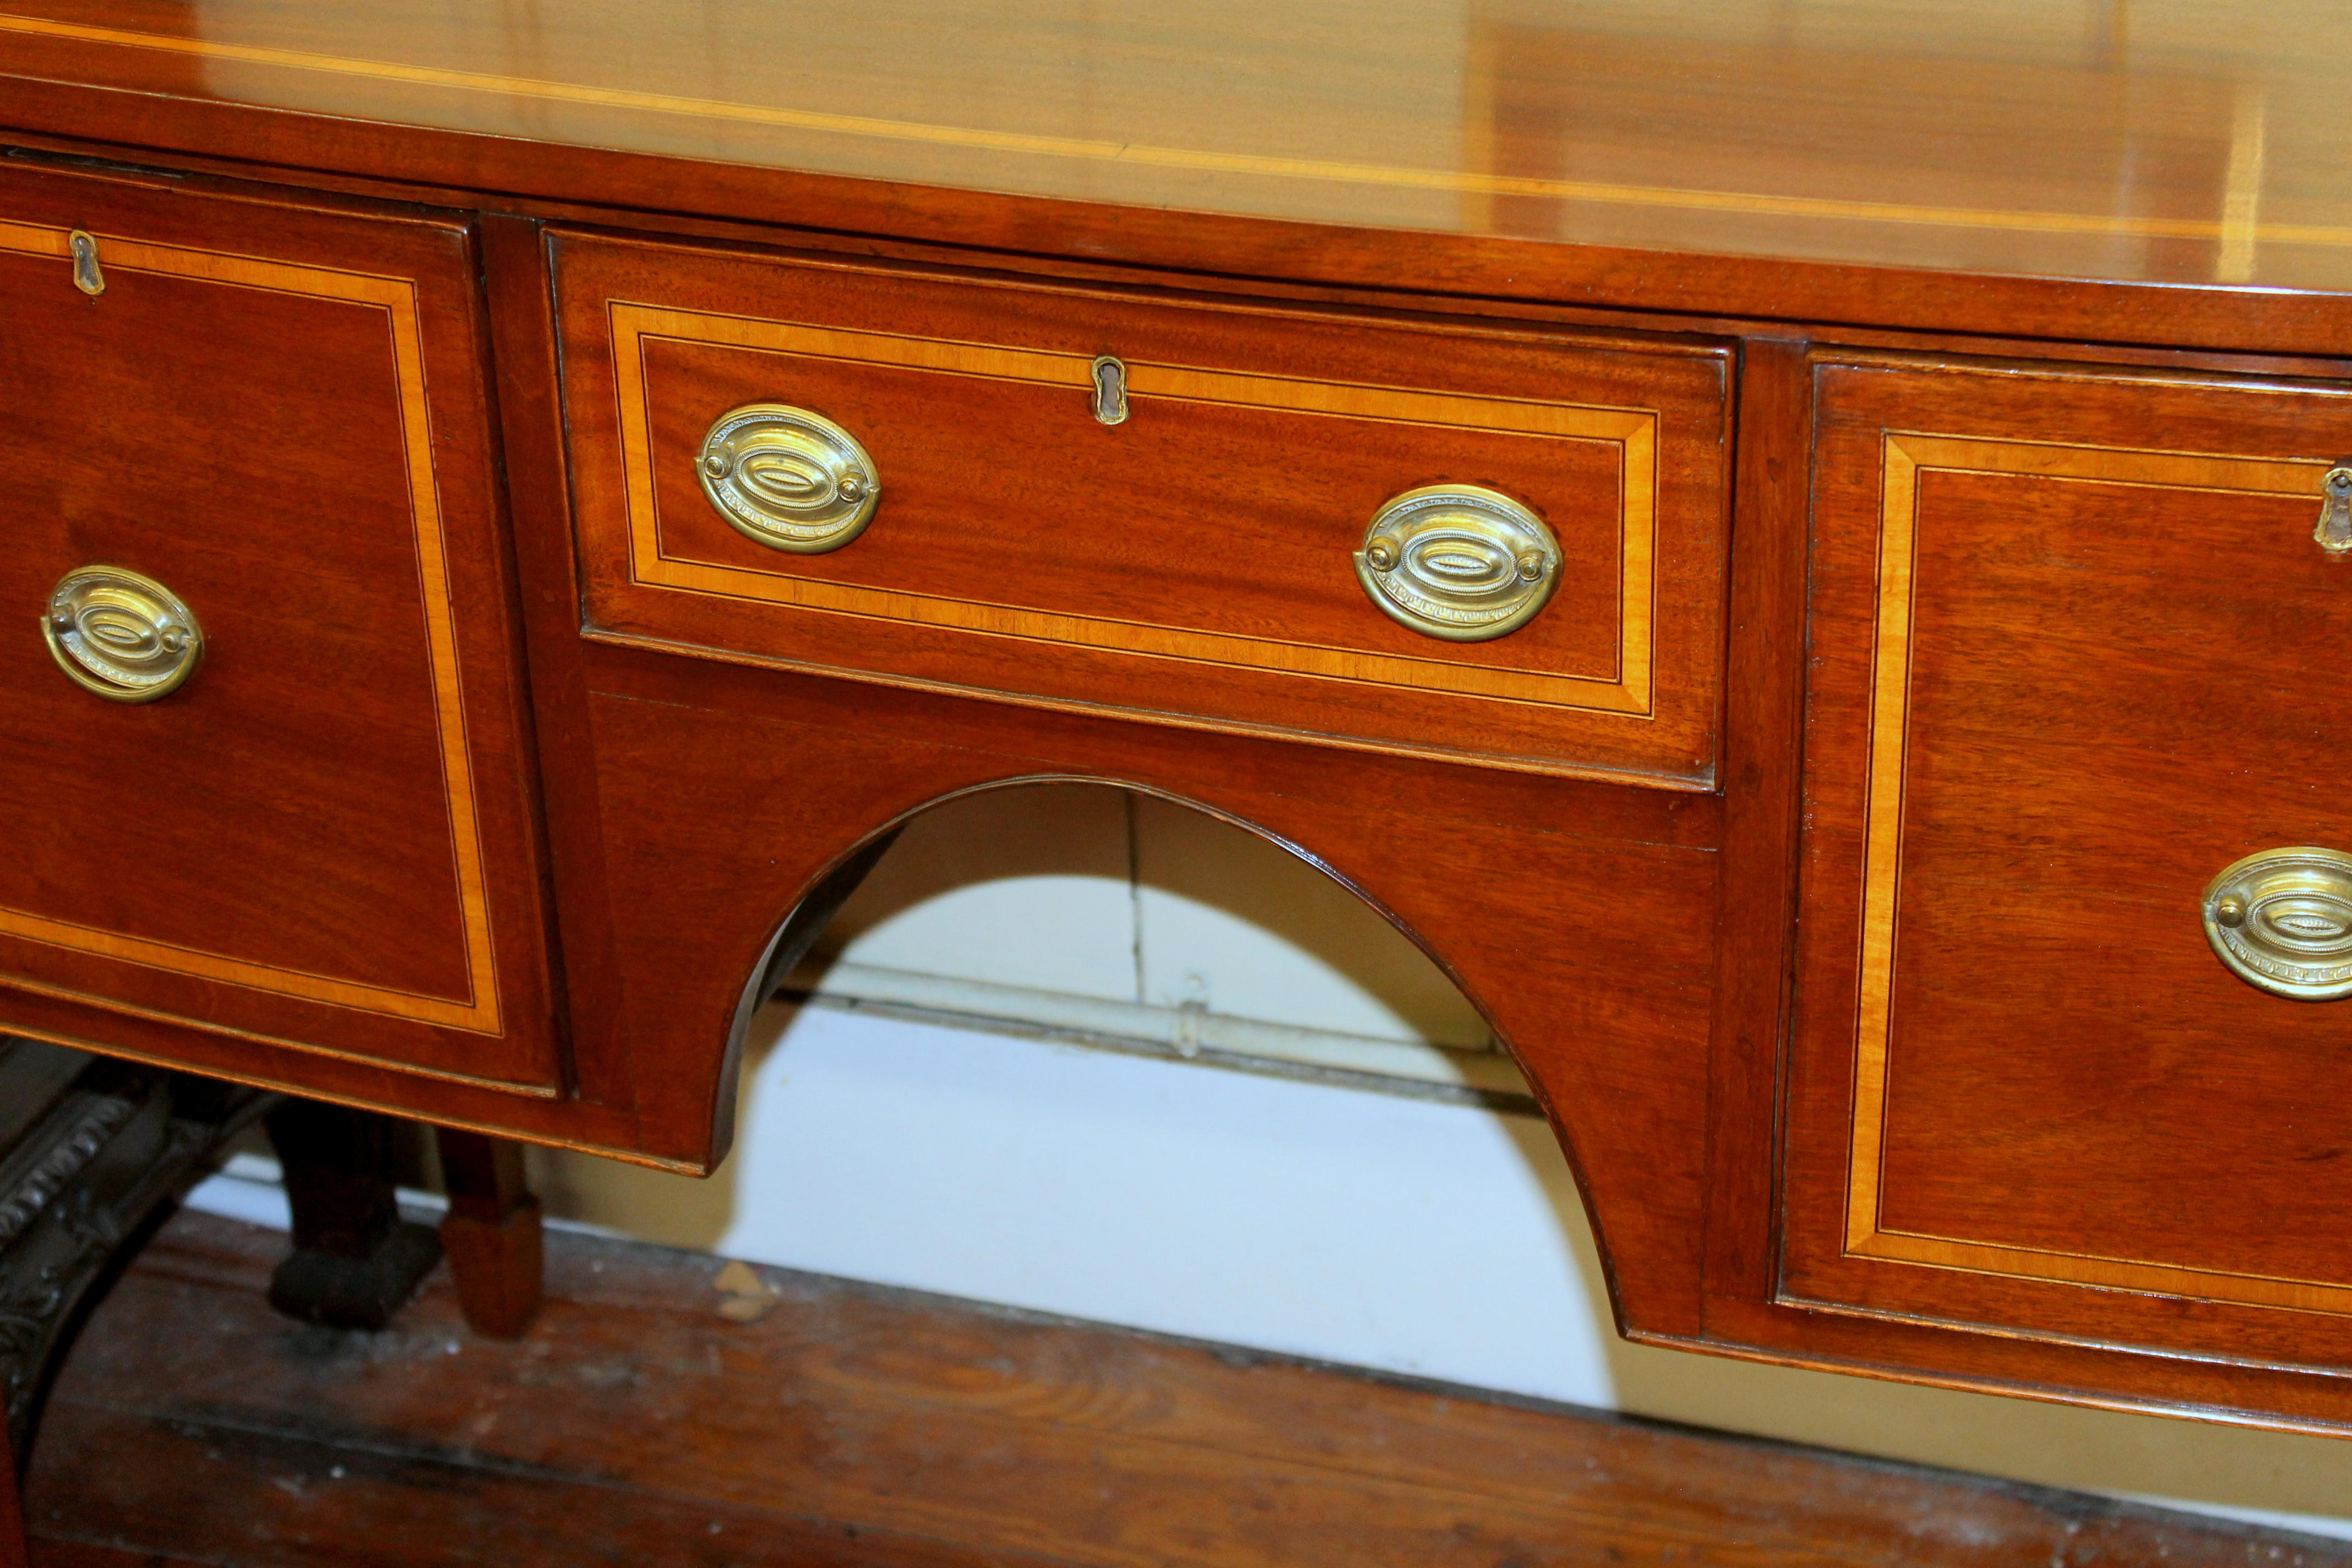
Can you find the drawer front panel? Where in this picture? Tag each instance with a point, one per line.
(322, 837)
(2074, 656)
(1194, 561)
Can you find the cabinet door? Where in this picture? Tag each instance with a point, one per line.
(250, 439)
(2076, 654)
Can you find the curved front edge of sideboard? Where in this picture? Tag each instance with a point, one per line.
(1577, 917)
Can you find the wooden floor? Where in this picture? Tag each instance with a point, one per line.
(852, 1426)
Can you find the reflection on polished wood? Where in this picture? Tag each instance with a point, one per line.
(2180, 141)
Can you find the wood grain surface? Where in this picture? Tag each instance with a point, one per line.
(858, 1425)
(1764, 694)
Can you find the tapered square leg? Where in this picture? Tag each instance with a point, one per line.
(355, 1261)
(492, 1233)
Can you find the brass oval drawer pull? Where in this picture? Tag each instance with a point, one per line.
(121, 635)
(1458, 562)
(2282, 921)
(789, 479)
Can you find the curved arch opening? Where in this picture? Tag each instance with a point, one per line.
(1069, 1163)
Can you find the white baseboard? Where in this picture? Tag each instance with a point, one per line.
(1187, 1032)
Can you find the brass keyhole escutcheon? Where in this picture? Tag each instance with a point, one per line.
(1458, 562)
(87, 276)
(123, 635)
(2334, 529)
(2282, 921)
(1110, 390)
(792, 479)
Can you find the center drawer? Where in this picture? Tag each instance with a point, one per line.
(1499, 544)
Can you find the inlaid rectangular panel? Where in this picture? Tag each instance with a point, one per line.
(321, 838)
(2073, 657)
(1193, 563)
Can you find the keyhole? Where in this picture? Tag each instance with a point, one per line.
(2334, 530)
(1110, 391)
(86, 275)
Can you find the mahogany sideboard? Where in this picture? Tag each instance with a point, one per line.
(1803, 557)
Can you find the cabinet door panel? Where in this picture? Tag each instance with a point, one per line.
(2074, 655)
(323, 837)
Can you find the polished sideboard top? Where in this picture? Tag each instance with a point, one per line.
(1804, 161)
(1798, 550)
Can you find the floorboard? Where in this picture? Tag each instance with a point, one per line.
(855, 1425)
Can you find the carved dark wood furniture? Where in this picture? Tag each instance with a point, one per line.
(354, 1260)
(1817, 600)
(92, 1152)
(95, 1152)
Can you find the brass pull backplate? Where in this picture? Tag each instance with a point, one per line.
(1458, 562)
(125, 636)
(789, 479)
(2282, 921)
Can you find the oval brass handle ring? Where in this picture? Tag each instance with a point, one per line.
(792, 479)
(123, 635)
(1458, 562)
(2282, 921)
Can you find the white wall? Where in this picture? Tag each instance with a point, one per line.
(1098, 910)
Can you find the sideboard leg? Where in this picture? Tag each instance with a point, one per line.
(492, 1233)
(355, 1261)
